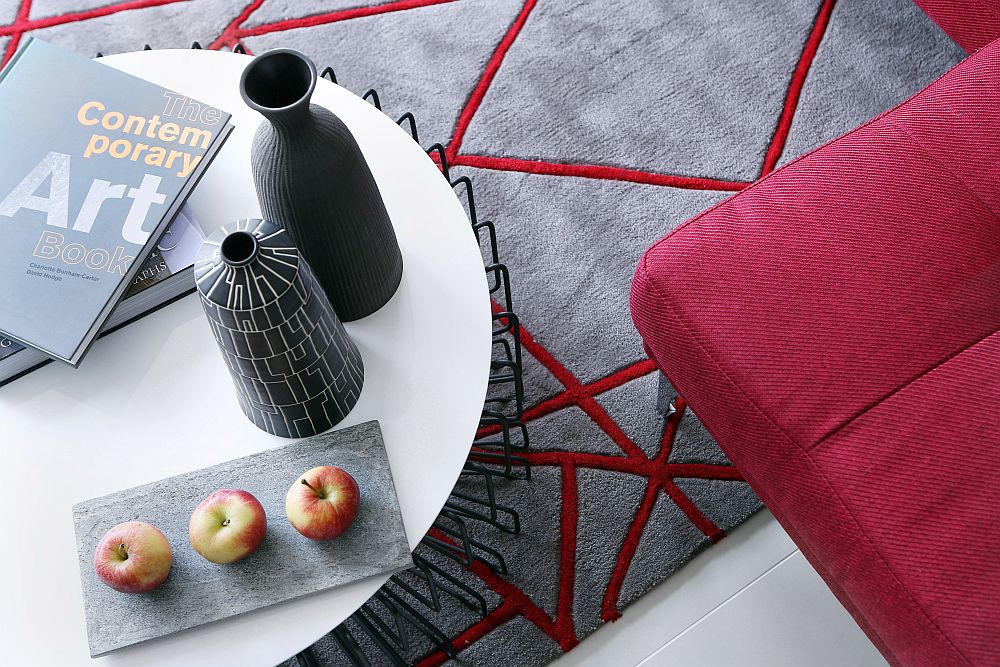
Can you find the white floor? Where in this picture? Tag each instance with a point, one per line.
(750, 601)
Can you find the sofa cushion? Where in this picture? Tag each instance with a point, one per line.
(971, 23)
(835, 328)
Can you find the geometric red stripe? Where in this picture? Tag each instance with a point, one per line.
(234, 32)
(479, 92)
(609, 604)
(340, 15)
(568, 398)
(230, 34)
(777, 145)
(629, 465)
(578, 394)
(23, 24)
(514, 602)
(595, 171)
(22, 15)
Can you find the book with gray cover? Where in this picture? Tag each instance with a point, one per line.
(91, 173)
(166, 276)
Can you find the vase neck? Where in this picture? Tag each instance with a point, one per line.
(239, 249)
(289, 119)
(279, 84)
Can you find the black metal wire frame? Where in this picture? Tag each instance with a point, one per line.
(239, 48)
(391, 619)
(437, 580)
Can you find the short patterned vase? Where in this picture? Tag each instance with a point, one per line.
(313, 180)
(297, 372)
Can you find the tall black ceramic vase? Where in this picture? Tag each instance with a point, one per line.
(312, 179)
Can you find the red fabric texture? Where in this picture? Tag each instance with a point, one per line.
(835, 327)
(971, 23)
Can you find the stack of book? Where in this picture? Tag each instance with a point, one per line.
(93, 177)
(166, 276)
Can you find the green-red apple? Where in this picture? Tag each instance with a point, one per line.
(227, 525)
(133, 557)
(322, 502)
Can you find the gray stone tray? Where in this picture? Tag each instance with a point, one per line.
(286, 566)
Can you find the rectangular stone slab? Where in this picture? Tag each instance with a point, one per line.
(286, 566)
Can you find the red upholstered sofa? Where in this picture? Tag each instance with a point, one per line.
(836, 327)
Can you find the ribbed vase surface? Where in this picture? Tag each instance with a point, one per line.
(313, 180)
(296, 371)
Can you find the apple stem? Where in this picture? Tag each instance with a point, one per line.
(314, 490)
(122, 553)
(226, 522)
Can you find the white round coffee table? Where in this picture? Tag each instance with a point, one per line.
(154, 399)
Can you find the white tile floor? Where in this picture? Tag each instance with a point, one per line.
(752, 601)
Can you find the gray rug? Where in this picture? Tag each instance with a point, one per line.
(590, 129)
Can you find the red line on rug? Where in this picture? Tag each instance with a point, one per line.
(578, 395)
(492, 67)
(621, 376)
(565, 398)
(670, 427)
(524, 604)
(686, 505)
(561, 400)
(547, 359)
(473, 633)
(609, 605)
(603, 420)
(658, 471)
(595, 171)
(660, 475)
(20, 20)
(777, 145)
(229, 36)
(695, 515)
(73, 17)
(660, 478)
(515, 601)
(633, 466)
(334, 17)
(630, 465)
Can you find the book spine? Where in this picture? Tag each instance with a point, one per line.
(13, 61)
(104, 332)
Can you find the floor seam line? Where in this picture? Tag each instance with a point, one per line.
(717, 607)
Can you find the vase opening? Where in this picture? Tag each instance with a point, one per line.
(277, 80)
(239, 249)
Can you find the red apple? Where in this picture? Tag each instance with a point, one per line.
(133, 557)
(227, 525)
(322, 502)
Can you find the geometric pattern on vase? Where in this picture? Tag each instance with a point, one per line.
(296, 371)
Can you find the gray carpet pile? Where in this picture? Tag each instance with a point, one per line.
(590, 128)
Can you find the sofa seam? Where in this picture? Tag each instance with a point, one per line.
(944, 167)
(807, 457)
(930, 157)
(898, 390)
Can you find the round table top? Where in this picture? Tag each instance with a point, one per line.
(155, 399)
